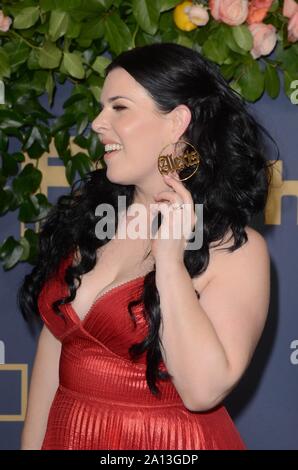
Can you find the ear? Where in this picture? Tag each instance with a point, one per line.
(180, 119)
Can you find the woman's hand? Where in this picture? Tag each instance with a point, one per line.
(169, 242)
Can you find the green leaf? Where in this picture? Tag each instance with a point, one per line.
(92, 29)
(117, 33)
(288, 59)
(26, 248)
(29, 209)
(243, 36)
(38, 82)
(73, 28)
(166, 22)
(17, 52)
(81, 141)
(168, 4)
(106, 4)
(236, 87)
(48, 5)
(31, 107)
(274, 6)
(2, 92)
(63, 122)
(9, 118)
(61, 141)
(228, 37)
(251, 81)
(3, 141)
(35, 151)
(44, 205)
(96, 92)
(100, 64)
(228, 70)
(58, 24)
(5, 198)
(3, 180)
(4, 64)
(74, 99)
(9, 165)
(215, 49)
(18, 156)
(95, 80)
(26, 18)
(73, 64)
(49, 56)
(184, 40)
(272, 85)
(33, 60)
(27, 181)
(13, 199)
(146, 13)
(95, 148)
(10, 252)
(50, 87)
(81, 163)
(70, 171)
(37, 134)
(83, 121)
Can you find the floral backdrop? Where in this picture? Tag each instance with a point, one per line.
(44, 43)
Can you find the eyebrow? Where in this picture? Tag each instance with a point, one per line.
(113, 98)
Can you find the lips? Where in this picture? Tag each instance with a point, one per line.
(110, 154)
(105, 142)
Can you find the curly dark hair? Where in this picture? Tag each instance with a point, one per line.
(232, 182)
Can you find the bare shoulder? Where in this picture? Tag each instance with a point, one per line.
(254, 252)
(252, 256)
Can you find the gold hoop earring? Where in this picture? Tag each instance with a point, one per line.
(169, 163)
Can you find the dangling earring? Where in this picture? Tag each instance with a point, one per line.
(174, 162)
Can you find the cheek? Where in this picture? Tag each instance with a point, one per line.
(143, 134)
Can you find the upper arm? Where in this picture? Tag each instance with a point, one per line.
(236, 300)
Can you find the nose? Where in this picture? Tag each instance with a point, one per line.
(99, 123)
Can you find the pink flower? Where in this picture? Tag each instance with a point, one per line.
(293, 28)
(5, 22)
(232, 12)
(257, 10)
(264, 39)
(198, 15)
(290, 10)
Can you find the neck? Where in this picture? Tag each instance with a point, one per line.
(145, 194)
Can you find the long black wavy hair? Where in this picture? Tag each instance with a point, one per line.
(232, 183)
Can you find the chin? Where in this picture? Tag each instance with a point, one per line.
(117, 179)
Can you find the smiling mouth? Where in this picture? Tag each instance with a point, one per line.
(111, 153)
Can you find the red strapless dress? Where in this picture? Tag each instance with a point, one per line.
(103, 401)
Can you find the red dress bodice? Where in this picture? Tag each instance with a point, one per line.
(103, 400)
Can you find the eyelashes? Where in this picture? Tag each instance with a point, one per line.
(118, 108)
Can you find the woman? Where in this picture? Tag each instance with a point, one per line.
(143, 337)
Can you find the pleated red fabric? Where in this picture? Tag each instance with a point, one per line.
(103, 401)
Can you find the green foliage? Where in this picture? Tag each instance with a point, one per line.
(53, 41)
